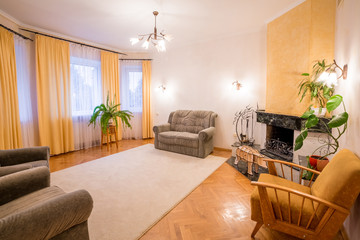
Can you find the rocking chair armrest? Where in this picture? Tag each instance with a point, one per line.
(273, 161)
(264, 185)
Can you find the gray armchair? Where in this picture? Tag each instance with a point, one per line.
(187, 132)
(32, 209)
(16, 160)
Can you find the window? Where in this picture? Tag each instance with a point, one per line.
(131, 86)
(85, 85)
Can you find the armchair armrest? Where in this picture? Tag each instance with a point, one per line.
(13, 169)
(207, 133)
(48, 219)
(18, 184)
(264, 185)
(161, 128)
(23, 155)
(323, 210)
(272, 169)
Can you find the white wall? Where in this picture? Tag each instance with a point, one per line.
(347, 50)
(200, 76)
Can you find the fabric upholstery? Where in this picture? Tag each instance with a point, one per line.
(187, 132)
(339, 182)
(296, 201)
(12, 169)
(23, 158)
(21, 183)
(190, 121)
(79, 231)
(31, 209)
(180, 138)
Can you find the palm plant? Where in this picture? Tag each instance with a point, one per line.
(110, 111)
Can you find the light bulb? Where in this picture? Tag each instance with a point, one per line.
(332, 80)
(323, 77)
(134, 41)
(145, 45)
(161, 45)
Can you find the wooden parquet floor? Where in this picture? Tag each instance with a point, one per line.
(218, 209)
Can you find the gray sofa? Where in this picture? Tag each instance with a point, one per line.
(187, 132)
(15, 160)
(32, 209)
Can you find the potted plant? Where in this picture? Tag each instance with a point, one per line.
(318, 91)
(109, 113)
(338, 122)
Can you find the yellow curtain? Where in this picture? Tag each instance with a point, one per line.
(10, 128)
(53, 94)
(146, 114)
(110, 79)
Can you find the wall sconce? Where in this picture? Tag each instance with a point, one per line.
(329, 76)
(162, 87)
(237, 85)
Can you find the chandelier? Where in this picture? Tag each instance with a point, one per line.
(158, 40)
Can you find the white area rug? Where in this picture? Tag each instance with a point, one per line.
(134, 189)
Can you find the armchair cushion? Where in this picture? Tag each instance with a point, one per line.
(296, 201)
(190, 121)
(180, 138)
(339, 181)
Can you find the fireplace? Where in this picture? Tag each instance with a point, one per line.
(279, 143)
(279, 133)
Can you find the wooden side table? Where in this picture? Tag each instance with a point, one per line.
(249, 155)
(110, 131)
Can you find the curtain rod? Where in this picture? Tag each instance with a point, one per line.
(63, 39)
(10, 30)
(133, 59)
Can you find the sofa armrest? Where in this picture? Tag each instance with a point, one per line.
(207, 133)
(161, 128)
(18, 184)
(13, 169)
(23, 155)
(48, 219)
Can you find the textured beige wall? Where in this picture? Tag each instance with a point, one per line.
(295, 41)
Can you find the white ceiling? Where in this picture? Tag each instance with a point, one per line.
(113, 22)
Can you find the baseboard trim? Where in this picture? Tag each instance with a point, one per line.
(222, 149)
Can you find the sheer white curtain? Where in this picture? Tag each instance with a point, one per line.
(131, 96)
(26, 83)
(85, 70)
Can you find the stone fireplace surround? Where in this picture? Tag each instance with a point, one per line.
(295, 124)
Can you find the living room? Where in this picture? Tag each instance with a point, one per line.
(214, 46)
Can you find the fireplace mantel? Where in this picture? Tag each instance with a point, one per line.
(287, 121)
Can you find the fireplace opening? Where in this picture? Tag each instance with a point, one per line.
(279, 143)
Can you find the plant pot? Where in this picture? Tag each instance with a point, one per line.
(317, 111)
(321, 164)
(313, 160)
(318, 163)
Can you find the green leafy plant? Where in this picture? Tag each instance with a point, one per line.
(338, 122)
(318, 91)
(110, 111)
